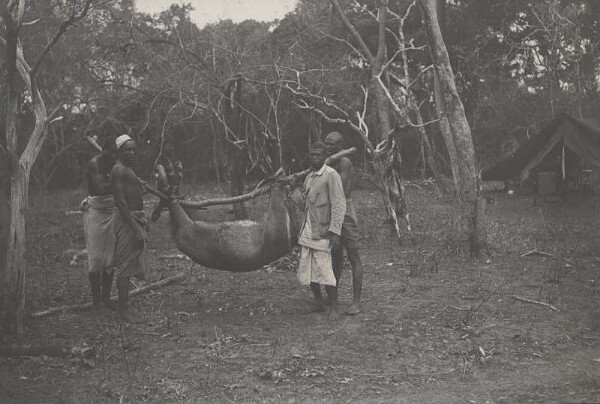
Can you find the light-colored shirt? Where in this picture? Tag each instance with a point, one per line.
(325, 203)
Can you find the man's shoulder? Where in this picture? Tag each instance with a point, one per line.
(344, 160)
(119, 170)
(344, 163)
(331, 172)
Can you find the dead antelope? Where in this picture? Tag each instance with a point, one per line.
(236, 246)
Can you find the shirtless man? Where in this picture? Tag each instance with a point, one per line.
(98, 209)
(350, 236)
(129, 223)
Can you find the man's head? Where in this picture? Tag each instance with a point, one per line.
(334, 142)
(125, 150)
(317, 154)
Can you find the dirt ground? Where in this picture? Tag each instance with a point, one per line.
(435, 327)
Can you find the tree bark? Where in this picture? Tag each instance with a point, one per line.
(426, 149)
(383, 107)
(215, 154)
(377, 60)
(439, 10)
(14, 303)
(237, 172)
(472, 232)
(14, 269)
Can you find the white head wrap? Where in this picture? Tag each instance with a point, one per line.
(122, 139)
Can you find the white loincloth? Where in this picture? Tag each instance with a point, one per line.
(314, 265)
(99, 235)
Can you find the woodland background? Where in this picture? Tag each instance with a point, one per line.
(163, 80)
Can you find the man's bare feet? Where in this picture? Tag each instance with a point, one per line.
(129, 316)
(354, 309)
(333, 313)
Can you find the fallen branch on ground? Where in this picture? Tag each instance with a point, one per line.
(536, 252)
(457, 308)
(410, 184)
(87, 306)
(174, 256)
(522, 299)
(54, 351)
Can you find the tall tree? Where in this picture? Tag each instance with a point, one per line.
(377, 61)
(18, 73)
(471, 217)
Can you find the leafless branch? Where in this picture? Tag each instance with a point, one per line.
(365, 49)
(335, 38)
(73, 18)
(399, 51)
(423, 71)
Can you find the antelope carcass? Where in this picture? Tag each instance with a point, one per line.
(237, 246)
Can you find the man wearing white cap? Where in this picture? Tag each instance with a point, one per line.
(129, 224)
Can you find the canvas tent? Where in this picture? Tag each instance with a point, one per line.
(567, 147)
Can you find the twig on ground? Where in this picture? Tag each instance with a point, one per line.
(173, 256)
(536, 252)
(87, 306)
(410, 184)
(522, 299)
(457, 308)
(56, 351)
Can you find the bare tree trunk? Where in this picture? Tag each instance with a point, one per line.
(472, 227)
(14, 304)
(439, 11)
(579, 90)
(445, 130)
(376, 60)
(215, 154)
(14, 271)
(388, 171)
(383, 107)
(237, 171)
(383, 111)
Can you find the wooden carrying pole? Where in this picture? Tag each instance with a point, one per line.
(260, 190)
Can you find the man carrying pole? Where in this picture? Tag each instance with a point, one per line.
(129, 223)
(350, 235)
